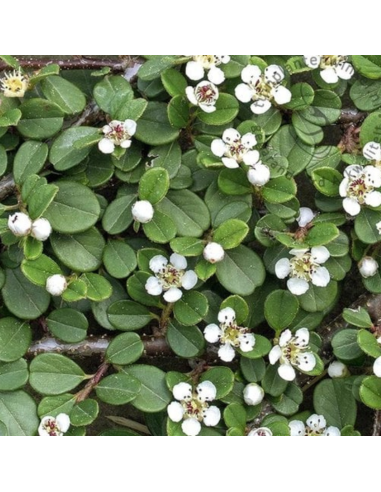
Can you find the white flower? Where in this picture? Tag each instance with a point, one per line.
(229, 335)
(262, 432)
(170, 277)
(316, 426)
(214, 253)
(14, 84)
(306, 216)
(41, 230)
(117, 134)
(358, 188)
(196, 69)
(263, 88)
(372, 152)
(304, 268)
(143, 212)
(205, 95)
(337, 370)
(235, 149)
(368, 267)
(377, 367)
(259, 175)
(333, 67)
(54, 427)
(293, 351)
(56, 285)
(253, 395)
(20, 224)
(193, 409)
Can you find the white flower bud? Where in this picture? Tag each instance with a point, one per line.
(259, 175)
(143, 212)
(20, 224)
(56, 285)
(214, 253)
(253, 395)
(262, 432)
(377, 367)
(41, 229)
(368, 267)
(338, 370)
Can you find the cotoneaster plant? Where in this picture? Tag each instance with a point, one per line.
(190, 245)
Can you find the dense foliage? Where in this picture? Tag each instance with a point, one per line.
(175, 243)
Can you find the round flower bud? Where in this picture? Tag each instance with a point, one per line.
(253, 395)
(143, 212)
(338, 370)
(214, 253)
(56, 285)
(20, 224)
(259, 175)
(377, 367)
(368, 267)
(41, 229)
(262, 432)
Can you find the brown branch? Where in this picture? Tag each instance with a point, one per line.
(72, 64)
(377, 425)
(93, 383)
(352, 116)
(7, 187)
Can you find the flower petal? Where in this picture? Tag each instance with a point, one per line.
(283, 268)
(230, 163)
(176, 412)
(377, 367)
(227, 316)
(226, 353)
(106, 146)
(298, 286)
(306, 217)
(344, 187)
(194, 70)
(63, 422)
(206, 392)
(154, 286)
(244, 93)
(130, 126)
(173, 295)
(373, 199)
(218, 147)
(251, 74)
(182, 392)
(285, 338)
(261, 106)
(213, 333)
(191, 427)
(345, 71)
(320, 254)
(190, 92)
(321, 278)
(317, 423)
(287, 372)
(251, 158)
(312, 61)
(247, 342)
(373, 176)
(329, 75)
(178, 261)
(208, 108)
(352, 207)
(216, 75)
(158, 264)
(297, 428)
(189, 280)
(275, 355)
(281, 95)
(212, 416)
(372, 151)
(302, 338)
(231, 136)
(306, 362)
(332, 432)
(249, 140)
(274, 74)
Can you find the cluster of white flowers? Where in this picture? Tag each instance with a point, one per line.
(293, 351)
(117, 134)
(262, 432)
(316, 426)
(359, 188)
(229, 335)
(208, 64)
(333, 67)
(143, 211)
(305, 268)
(368, 267)
(192, 407)
(235, 149)
(54, 427)
(21, 225)
(14, 84)
(170, 277)
(214, 253)
(56, 285)
(263, 88)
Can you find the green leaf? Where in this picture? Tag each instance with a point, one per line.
(35, 300)
(41, 119)
(154, 127)
(18, 412)
(118, 389)
(366, 226)
(75, 208)
(112, 93)
(38, 271)
(131, 110)
(188, 246)
(119, 259)
(227, 108)
(128, 316)
(323, 158)
(281, 308)
(178, 112)
(234, 182)
(369, 344)
(30, 159)
(191, 309)
(41, 199)
(222, 378)
(370, 130)
(370, 393)
(231, 234)
(288, 404)
(52, 374)
(68, 325)
(76, 291)
(345, 346)
(13, 376)
(80, 252)
(98, 288)
(125, 349)
(205, 270)
(10, 118)
(84, 413)
(11, 61)
(188, 212)
(15, 338)
(154, 396)
(318, 299)
(334, 400)
(235, 416)
(322, 234)
(239, 306)
(273, 384)
(326, 109)
(358, 317)
(152, 68)
(161, 229)
(118, 215)
(327, 181)
(279, 190)
(174, 82)
(302, 97)
(366, 94)
(262, 348)
(253, 370)
(136, 287)
(367, 67)
(63, 93)
(241, 272)
(186, 341)
(167, 157)
(154, 185)
(65, 153)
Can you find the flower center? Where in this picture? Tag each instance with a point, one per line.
(237, 150)
(262, 89)
(207, 61)
(171, 277)
(118, 133)
(358, 189)
(293, 353)
(329, 61)
(303, 267)
(206, 94)
(194, 409)
(15, 83)
(52, 428)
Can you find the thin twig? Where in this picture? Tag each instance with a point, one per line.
(93, 383)
(72, 64)
(377, 424)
